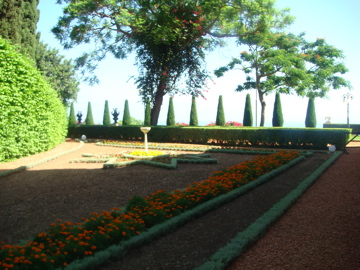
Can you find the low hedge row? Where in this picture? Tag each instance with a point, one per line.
(294, 138)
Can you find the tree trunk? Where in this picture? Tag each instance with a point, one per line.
(263, 106)
(155, 111)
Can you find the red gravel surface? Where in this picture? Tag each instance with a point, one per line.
(321, 231)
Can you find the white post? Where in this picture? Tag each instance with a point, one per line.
(145, 130)
(146, 143)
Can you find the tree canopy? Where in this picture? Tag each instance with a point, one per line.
(58, 71)
(287, 63)
(170, 38)
(18, 19)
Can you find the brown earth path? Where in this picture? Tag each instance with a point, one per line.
(321, 231)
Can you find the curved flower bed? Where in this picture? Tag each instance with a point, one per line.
(65, 242)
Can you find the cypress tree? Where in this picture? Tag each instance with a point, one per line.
(220, 116)
(89, 117)
(277, 120)
(18, 19)
(248, 118)
(126, 116)
(72, 118)
(147, 117)
(170, 121)
(193, 113)
(106, 117)
(310, 120)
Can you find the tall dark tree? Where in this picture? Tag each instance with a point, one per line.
(106, 117)
(310, 120)
(72, 118)
(147, 118)
(18, 19)
(89, 120)
(170, 120)
(126, 116)
(58, 71)
(220, 115)
(248, 118)
(278, 119)
(193, 113)
(170, 37)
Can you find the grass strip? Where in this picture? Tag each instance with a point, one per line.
(170, 225)
(239, 244)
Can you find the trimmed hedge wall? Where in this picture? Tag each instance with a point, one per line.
(294, 138)
(32, 117)
(355, 127)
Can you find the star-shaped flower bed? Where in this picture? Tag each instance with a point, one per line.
(166, 161)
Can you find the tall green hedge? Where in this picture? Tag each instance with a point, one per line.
(147, 117)
(72, 118)
(310, 120)
(106, 117)
(126, 116)
(248, 118)
(278, 119)
(170, 120)
(193, 113)
(89, 120)
(220, 116)
(32, 117)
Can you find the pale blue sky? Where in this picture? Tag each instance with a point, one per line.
(335, 20)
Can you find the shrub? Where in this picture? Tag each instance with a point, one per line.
(89, 120)
(193, 113)
(248, 118)
(72, 118)
(277, 120)
(220, 116)
(33, 119)
(170, 121)
(147, 118)
(310, 120)
(126, 117)
(106, 117)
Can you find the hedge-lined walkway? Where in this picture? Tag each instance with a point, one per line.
(321, 231)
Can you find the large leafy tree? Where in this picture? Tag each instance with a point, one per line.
(287, 63)
(18, 19)
(170, 38)
(58, 71)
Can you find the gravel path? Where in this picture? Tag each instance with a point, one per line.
(321, 231)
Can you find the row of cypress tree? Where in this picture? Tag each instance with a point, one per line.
(89, 120)
(277, 120)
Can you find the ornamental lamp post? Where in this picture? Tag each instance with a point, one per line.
(348, 98)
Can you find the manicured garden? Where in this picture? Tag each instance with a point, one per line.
(67, 241)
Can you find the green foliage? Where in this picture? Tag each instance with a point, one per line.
(310, 120)
(72, 118)
(106, 117)
(193, 113)
(170, 121)
(134, 122)
(18, 19)
(170, 38)
(248, 118)
(147, 118)
(32, 117)
(58, 71)
(89, 120)
(277, 120)
(220, 115)
(287, 63)
(126, 116)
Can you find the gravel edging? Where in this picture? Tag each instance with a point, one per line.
(256, 230)
(34, 164)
